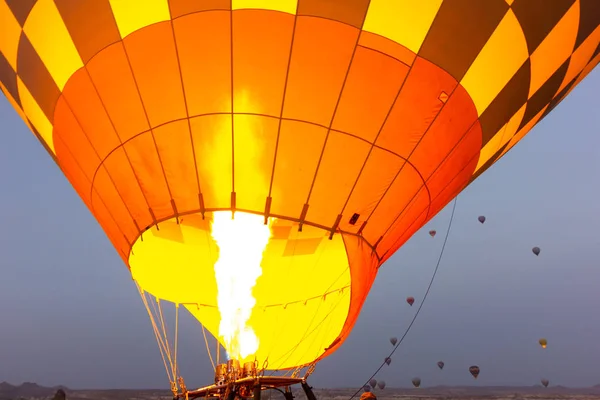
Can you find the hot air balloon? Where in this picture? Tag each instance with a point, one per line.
(410, 300)
(432, 233)
(416, 382)
(545, 382)
(388, 360)
(393, 340)
(440, 364)
(536, 251)
(474, 370)
(381, 385)
(367, 388)
(219, 143)
(481, 219)
(373, 383)
(59, 395)
(368, 396)
(543, 342)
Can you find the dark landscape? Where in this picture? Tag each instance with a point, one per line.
(32, 391)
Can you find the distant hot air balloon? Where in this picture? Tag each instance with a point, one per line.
(440, 364)
(474, 370)
(393, 340)
(481, 219)
(381, 385)
(388, 360)
(432, 233)
(545, 382)
(543, 342)
(410, 300)
(367, 388)
(536, 251)
(373, 383)
(217, 141)
(416, 382)
(60, 395)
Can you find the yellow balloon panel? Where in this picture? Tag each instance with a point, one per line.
(302, 295)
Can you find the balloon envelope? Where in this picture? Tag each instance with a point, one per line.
(373, 383)
(543, 342)
(381, 385)
(410, 300)
(474, 370)
(393, 340)
(440, 364)
(349, 129)
(536, 251)
(481, 219)
(545, 382)
(416, 382)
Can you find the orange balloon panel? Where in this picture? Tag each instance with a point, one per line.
(353, 122)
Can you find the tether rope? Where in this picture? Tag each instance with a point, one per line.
(420, 305)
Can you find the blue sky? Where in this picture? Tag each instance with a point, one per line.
(70, 313)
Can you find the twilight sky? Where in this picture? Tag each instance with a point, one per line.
(70, 314)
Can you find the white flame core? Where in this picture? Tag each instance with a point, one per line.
(241, 241)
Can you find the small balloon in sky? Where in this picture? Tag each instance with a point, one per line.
(545, 382)
(474, 370)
